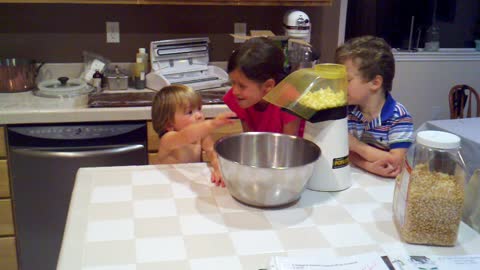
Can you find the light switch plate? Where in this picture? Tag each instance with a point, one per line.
(239, 29)
(113, 32)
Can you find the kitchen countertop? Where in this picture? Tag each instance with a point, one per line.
(172, 217)
(26, 108)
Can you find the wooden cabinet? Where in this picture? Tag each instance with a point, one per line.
(3, 149)
(234, 128)
(242, 2)
(217, 134)
(152, 143)
(188, 2)
(4, 182)
(73, 1)
(8, 253)
(6, 218)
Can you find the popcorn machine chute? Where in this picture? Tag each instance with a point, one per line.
(319, 95)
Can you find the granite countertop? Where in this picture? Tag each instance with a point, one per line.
(173, 217)
(26, 108)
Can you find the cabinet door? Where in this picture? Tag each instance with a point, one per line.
(3, 152)
(242, 2)
(188, 2)
(220, 132)
(8, 253)
(4, 183)
(6, 218)
(285, 3)
(152, 138)
(234, 128)
(74, 1)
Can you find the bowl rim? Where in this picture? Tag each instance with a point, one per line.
(276, 134)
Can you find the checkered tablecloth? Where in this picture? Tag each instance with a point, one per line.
(172, 217)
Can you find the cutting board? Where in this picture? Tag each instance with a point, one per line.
(136, 99)
(124, 99)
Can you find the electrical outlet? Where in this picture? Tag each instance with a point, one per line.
(113, 32)
(239, 29)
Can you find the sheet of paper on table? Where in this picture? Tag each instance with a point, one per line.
(373, 261)
(462, 262)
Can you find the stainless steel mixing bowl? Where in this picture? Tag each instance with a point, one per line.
(266, 169)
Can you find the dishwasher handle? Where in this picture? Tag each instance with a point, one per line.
(79, 152)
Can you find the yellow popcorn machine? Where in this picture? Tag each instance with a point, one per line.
(319, 95)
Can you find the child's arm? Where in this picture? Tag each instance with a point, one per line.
(207, 146)
(380, 162)
(372, 154)
(291, 128)
(194, 132)
(380, 167)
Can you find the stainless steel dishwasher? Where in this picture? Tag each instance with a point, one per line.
(43, 161)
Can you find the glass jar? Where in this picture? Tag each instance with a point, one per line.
(432, 39)
(429, 193)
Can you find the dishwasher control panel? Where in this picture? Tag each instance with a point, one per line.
(75, 132)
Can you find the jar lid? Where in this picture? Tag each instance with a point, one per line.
(62, 87)
(438, 139)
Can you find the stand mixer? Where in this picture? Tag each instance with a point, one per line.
(319, 95)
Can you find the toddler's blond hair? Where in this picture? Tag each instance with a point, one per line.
(170, 99)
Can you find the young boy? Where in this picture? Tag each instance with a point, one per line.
(380, 129)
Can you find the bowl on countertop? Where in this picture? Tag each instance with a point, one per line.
(266, 169)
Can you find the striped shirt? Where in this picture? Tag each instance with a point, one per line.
(393, 128)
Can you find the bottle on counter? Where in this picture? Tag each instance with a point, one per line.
(139, 74)
(144, 55)
(432, 38)
(97, 80)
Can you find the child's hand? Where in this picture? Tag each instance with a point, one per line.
(386, 168)
(223, 119)
(217, 178)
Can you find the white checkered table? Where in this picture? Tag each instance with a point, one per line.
(172, 217)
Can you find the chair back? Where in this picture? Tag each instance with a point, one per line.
(463, 97)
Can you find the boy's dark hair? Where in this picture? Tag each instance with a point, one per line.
(259, 59)
(372, 55)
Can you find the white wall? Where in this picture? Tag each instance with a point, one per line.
(423, 80)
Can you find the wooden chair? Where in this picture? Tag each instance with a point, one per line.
(462, 97)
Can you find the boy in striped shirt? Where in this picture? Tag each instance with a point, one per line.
(380, 128)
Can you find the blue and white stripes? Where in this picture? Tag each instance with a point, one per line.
(393, 128)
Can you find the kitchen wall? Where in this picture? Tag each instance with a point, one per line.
(422, 81)
(61, 32)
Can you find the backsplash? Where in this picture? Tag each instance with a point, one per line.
(59, 33)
